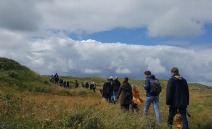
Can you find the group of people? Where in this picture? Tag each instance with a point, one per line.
(110, 89)
(177, 96)
(91, 86)
(59, 81)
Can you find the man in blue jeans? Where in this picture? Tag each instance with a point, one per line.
(150, 99)
(177, 97)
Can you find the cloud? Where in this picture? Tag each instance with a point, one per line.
(91, 58)
(92, 71)
(19, 16)
(175, 24)
(161, 17)
(154, 64)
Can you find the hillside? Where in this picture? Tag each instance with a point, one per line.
(13, 74)
(29, 100)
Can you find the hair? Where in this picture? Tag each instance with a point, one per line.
(147, 72)
(126, 79)
(134, 86)
(175, 71)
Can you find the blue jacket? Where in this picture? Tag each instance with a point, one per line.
(177, 92)
(147, 84)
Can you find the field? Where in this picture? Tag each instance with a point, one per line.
(31, 101)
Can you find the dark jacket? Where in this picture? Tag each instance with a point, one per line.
(147, 84)
(125, 93)
(177, 92)
(107, 88)
(116, 85)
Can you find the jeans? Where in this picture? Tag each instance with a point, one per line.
(114, 96)
(155, 101)
(172, 112)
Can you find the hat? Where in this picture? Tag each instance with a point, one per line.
(111, 77)
(116, 77)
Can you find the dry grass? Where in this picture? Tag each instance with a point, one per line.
(51, 110)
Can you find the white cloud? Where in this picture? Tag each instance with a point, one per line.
(92, 71)
(123, 71)
(175, 24)
(91, 58)
(154, 65)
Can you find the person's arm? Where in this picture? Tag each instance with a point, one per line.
(147, 84)
(187, 93)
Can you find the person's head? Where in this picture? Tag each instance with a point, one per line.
(126, 79)
(147, 73)
(134, 87)
(175, 71)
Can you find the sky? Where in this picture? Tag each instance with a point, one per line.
(109, 38)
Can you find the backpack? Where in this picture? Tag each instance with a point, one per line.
(155, 87)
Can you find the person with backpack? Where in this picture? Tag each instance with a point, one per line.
(177, 97)
(153, 89)
(125, 93)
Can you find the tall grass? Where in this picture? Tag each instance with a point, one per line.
(28, 100)
(22, 109)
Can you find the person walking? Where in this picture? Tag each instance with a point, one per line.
(125, 93)
(177, 97)
(136, 100)
(107, 90)
(150, 97)
(116, 85)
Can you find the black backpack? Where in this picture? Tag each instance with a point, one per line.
(155, 87)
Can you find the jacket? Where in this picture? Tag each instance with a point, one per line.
(136, 97)
(116, 85)
(177, 92)
(125, 93)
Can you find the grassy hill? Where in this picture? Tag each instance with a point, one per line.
(29, 100)
(13, 74)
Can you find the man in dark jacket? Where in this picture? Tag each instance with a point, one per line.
(116, 85)
(177, 97)
(125, 93)
(107, 90)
